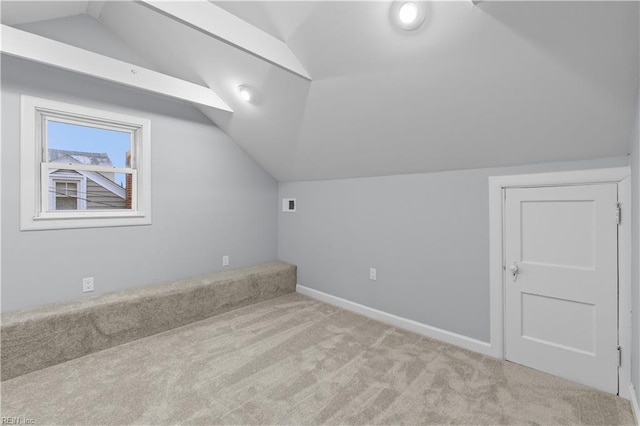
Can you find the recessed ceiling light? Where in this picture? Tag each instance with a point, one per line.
(408, 15)
(408, 12)
(245, 93)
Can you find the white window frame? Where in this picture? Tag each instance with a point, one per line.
(81, 191)
(34, 170)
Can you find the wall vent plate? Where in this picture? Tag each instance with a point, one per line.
(288, 204)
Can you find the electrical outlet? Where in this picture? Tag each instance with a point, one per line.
(373, 274)
(225, 260)
(87, 284)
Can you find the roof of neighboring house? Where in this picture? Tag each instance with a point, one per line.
(99, 179)
(93, 158)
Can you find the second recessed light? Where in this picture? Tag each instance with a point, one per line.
(408, 15)
(245, 93)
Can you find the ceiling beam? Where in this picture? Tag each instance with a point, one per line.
(220, 24)
(94, 8)
(35, 48)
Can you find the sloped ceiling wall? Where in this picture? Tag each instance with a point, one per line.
(502, 83)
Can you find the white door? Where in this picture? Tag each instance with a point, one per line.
(561, 282)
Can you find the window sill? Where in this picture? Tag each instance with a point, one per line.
(86, 220)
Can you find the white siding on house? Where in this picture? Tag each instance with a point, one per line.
(101, 198)
(97, 196)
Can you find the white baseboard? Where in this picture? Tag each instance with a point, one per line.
(400, 322)
(635, 407)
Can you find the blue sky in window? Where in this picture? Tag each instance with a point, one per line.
(72, 137)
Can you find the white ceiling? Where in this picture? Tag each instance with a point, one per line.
(502, 83)
(20, 12)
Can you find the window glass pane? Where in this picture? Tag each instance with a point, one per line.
(66, 203)
(109, 191)
(61, 188)
(72, 189)
(88, 190)
(75, 144)
(66, 189)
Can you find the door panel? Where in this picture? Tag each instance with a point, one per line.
(539, 322)
(569, 243)
(561, 307)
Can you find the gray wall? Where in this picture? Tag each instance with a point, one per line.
(635, 273)
(635, 250)
(209, 199)
(427, 235)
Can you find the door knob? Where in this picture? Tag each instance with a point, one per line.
(514, 271)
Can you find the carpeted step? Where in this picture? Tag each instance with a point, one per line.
(35, 338)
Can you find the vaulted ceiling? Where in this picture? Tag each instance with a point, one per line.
(496, 84)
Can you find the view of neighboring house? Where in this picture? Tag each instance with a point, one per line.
(82, 189)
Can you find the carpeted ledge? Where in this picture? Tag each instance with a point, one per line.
(43, 336)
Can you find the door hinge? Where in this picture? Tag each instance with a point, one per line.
(619, 356)
(618, 213)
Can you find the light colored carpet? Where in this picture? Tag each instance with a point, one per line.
(293, 360)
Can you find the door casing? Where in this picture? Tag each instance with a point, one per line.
(497, 187)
